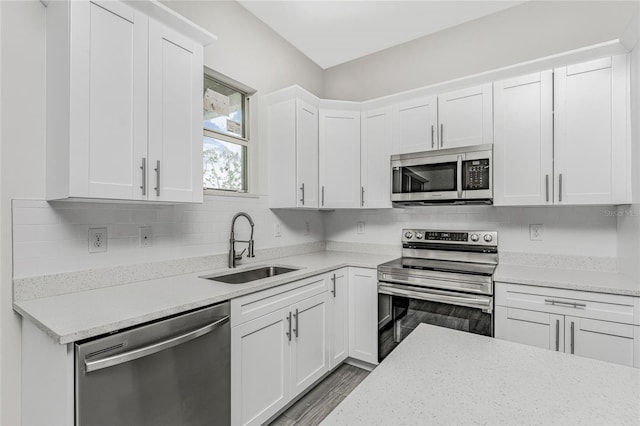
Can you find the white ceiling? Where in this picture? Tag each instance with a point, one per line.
(332, 32)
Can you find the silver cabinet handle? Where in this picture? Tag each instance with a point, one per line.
(152, 349)
(322, 191)
(563, 303)
(441, 135)
(143, 167)
(432, 132)
(560, 188)
(572, 337)
(157, 170)
(557, 335)
(288, 333)
(295, 330)
(546, 185)
(302, 189)
(459, 179)
(362, 196)
(333, 291)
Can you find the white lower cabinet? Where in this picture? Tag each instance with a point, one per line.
(592, 325)
(339, 301)
(279, 346)
(363, 314)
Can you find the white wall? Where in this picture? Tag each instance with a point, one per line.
(246, 51)
(629, 216)
(23, 84)
(579, 231)
(529, 31)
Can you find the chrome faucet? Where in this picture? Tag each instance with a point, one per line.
(233, 257)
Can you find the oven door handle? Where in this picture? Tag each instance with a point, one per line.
(470, 301)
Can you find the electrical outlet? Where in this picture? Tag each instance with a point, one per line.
(360, 227)
(277, 230)
(146, 237)
(535, 232)
(307, 228)
(97, 240)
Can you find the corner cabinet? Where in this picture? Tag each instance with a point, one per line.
(562, 136)
(124, 113)
(339, 148)
(592, 325)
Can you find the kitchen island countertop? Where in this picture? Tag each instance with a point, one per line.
(443, 376)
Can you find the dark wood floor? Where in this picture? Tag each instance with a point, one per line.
(312, 408)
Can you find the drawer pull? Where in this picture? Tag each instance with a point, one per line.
(563, 303)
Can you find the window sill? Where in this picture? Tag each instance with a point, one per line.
(217, 193)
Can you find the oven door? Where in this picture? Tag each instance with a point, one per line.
(426, 177)
(404, 307)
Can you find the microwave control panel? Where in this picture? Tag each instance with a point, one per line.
(475, 174)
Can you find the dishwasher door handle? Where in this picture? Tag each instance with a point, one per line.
(152, 349)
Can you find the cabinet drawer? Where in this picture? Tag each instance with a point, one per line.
(600, 306)
(263, 302)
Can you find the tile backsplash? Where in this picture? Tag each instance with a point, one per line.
(574, 231)
(52, 237)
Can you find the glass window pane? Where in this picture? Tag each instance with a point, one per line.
(224, 165)
(223, 108)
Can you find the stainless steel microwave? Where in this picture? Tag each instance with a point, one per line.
(446, 176)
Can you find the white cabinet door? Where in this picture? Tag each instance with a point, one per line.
(339, 133)
(363, 314)
(523, 140)
(466, 117)
(415, 125)
(260, 368)
(306, 154)
(281, 134)
(603, 340)
(533, 328)
(310, 341)
(591, 131)
(339, 299)
(108, 100)
(175, 116)
(375, 160)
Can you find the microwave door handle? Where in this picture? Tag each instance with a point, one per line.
(459, 176)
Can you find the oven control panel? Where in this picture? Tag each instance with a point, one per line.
(487, 238)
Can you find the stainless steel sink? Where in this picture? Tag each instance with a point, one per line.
(249, 275)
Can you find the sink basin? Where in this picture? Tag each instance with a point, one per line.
(249, 275)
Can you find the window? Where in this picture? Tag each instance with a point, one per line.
(225, 136)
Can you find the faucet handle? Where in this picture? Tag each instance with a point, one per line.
(239, 256)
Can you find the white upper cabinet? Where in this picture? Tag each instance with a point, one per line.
(175, 116)
(415, 125)
(292, 122)
(562, 137)
(592, 151)
(118, 93)
(450, 120)
(466, 117)
(307, 153)
(523, 140)
(375, 158)
(339, 140)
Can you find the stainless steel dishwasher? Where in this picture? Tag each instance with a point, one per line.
(174, 371)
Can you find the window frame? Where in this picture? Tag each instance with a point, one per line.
(245, 141)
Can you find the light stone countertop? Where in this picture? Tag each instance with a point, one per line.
(571, 279)
(76, 316)
(443, 376)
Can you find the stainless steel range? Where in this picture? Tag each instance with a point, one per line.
(443, 278)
